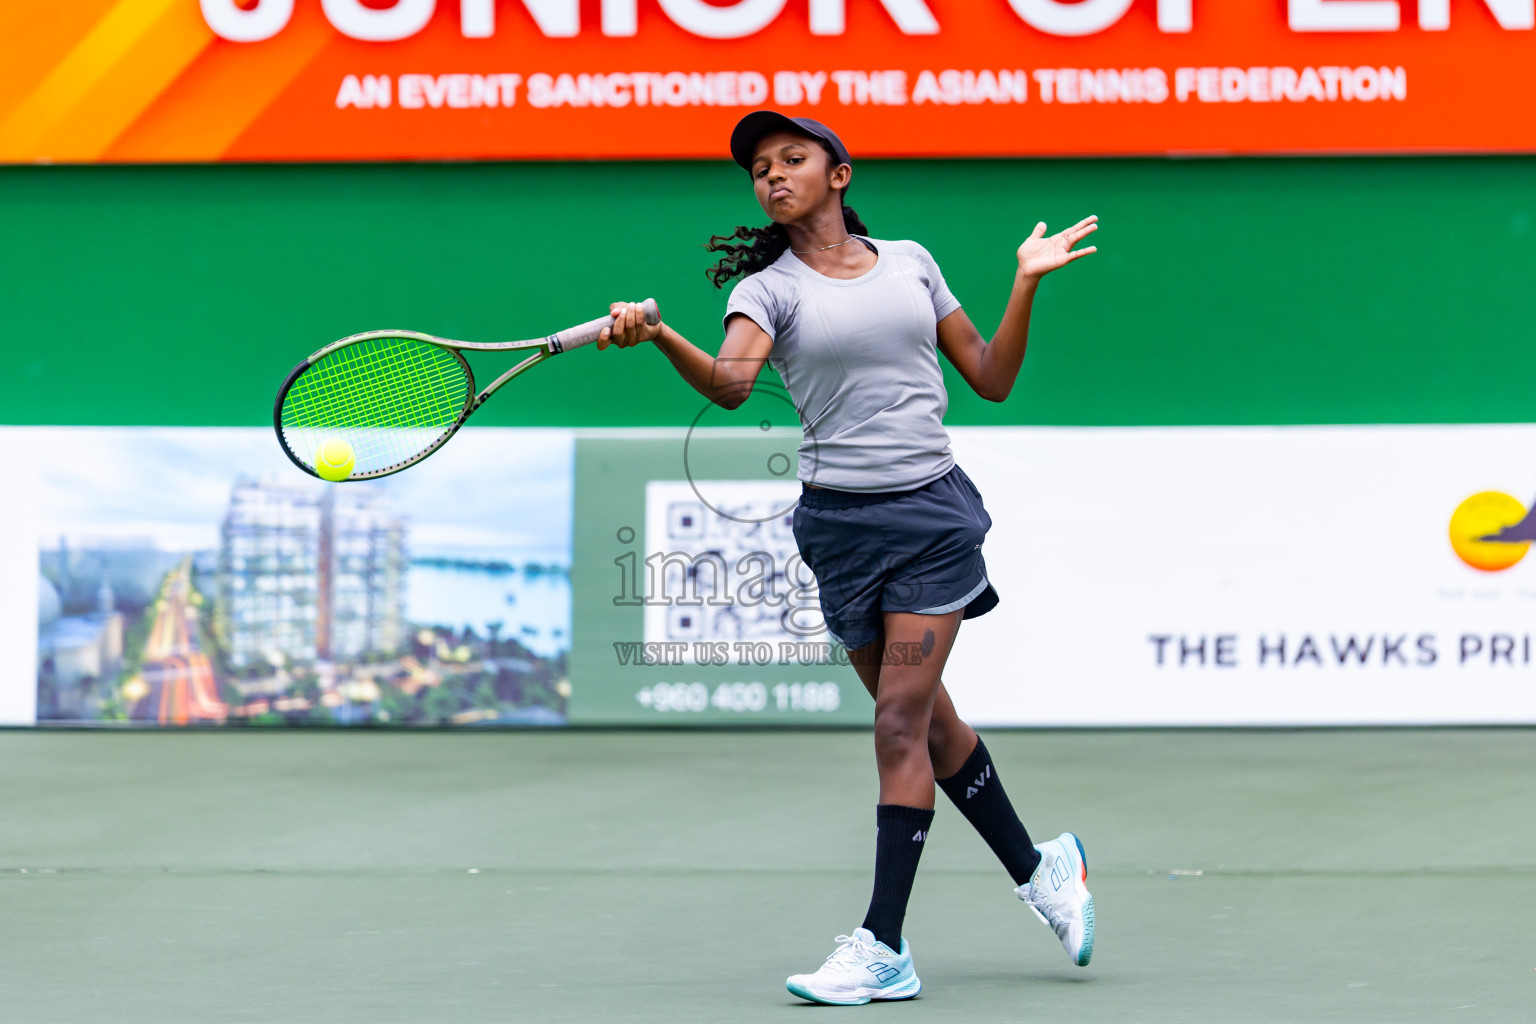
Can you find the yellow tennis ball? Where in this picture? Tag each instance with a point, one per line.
(335, 459)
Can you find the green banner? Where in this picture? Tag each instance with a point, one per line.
(1224, 292)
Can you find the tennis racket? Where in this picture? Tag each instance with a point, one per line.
(398, 396)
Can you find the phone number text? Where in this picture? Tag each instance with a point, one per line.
(739, 698)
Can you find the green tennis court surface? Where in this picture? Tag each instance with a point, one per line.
(639, 876)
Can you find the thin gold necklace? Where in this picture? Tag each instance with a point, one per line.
(834, 245)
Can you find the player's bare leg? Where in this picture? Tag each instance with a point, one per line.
(911, 660)
(950, 740)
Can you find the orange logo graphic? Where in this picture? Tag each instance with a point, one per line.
(1491, 531)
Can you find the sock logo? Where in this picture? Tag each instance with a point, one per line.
(882, 972)
(919, 836)
(978, 782)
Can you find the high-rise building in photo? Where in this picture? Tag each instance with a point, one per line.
(361, 575)
(306, 577)
(267, 580)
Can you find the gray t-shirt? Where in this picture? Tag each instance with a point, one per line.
(860, 359)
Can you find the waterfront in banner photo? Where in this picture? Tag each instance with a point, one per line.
(194, 577)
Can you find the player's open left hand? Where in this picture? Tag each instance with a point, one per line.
(1039, 255)
(629, 326)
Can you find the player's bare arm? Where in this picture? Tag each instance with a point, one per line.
(991, 369)
(725, 379)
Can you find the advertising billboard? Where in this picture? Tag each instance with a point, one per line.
(285, 80)
(1149, 576)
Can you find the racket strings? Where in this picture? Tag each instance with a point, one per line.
(390, 398)
(395, 402)
(410, 393)
(393, 396)
(407, 396)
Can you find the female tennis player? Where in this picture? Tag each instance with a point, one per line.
(887, 521)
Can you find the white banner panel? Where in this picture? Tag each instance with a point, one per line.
(1247, 576)
(18, 569)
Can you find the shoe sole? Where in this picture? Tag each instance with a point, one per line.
(1085, 953)
(897, 993)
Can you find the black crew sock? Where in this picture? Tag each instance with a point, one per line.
(900, 835)
(978, 792)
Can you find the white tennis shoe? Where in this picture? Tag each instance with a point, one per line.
(859, 970)
(1058, 894)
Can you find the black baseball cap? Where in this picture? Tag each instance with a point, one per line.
(751, 129)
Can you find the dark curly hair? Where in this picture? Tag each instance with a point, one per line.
(748, 250)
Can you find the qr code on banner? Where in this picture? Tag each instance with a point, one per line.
(763, 592)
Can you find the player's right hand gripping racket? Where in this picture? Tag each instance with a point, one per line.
(398, 396)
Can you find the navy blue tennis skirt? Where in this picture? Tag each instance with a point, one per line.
(895, 551)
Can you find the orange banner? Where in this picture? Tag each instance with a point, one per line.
(253, 80)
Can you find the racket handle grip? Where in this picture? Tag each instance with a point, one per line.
(587, 333)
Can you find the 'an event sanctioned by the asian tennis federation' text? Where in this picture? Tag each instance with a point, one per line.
(861, 88)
